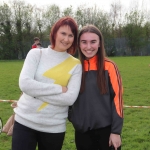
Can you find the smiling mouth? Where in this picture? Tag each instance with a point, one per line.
(65, 44)
(89, 52)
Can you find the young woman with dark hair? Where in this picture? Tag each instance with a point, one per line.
(50, 81)
(97, 114)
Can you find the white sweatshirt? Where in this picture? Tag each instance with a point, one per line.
(43, 106)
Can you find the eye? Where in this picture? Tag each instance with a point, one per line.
(63, 33)
(93, 41)
(83, 42)
(71, 35)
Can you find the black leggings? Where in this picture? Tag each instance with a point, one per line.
(25, 138)
(93, 140)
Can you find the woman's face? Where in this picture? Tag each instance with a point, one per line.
(89, 44)
(64, 39)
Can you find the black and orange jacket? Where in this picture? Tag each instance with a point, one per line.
(93, 110)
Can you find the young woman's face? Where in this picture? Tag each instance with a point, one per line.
(64, 39)
(89, 44)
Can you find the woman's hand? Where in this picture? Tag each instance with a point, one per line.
(64, 89)
(115, 140)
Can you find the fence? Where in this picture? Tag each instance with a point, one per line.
(120, 47)
(125, 106)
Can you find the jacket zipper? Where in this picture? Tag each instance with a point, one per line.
(88, 65)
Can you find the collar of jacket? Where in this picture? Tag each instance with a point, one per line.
(91, 64)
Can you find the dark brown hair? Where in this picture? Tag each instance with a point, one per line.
(36, 39)
(100, 61)
(65, 21)
(39, 44)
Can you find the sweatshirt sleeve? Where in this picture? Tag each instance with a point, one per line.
(68, 98)
(28, 84)
(117, 104)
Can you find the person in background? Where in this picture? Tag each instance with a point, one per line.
(97, 114)
(36, 40)
(50, 81)
(39, 45)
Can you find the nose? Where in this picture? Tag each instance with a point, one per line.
(88, 45)
(66, 38)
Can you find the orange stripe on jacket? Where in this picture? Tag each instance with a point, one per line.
(116, 82)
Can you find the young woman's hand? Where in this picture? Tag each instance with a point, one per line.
(64, 89)
(115, 140)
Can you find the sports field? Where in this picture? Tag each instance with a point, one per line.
(135, 72)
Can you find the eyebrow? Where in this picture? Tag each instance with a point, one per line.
(86, 40)
(65, 32)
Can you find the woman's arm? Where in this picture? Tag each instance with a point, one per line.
(28, 84)
(117, 103)
(117, 106)
(68, 98)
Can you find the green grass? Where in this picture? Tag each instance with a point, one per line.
(135, 74)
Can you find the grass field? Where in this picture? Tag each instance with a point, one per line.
(135, 74)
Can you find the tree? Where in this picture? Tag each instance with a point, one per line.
(21, 22)
(86, 15)
(68, 12)
(20, 17)
(133, 30)
(50, 16)
(6, 37)
(28, 27)
(116, 19)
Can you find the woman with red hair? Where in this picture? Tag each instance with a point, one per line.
(50, 82)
